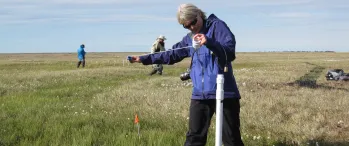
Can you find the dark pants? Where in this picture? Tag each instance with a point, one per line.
(201, 112)
(81, 62)
(157, 68)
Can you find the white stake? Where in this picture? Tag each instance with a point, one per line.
(219, 109)
(138, 127)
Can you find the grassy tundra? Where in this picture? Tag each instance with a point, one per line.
(46, 100)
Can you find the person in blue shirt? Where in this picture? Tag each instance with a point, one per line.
(81, 56)
(213, 55)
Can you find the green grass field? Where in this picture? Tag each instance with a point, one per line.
(286, 100)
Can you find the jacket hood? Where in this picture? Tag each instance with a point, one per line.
(210, 20)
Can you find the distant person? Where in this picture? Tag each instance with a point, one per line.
(158, 45)
(81, 56)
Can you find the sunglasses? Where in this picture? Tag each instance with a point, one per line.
(191, 23)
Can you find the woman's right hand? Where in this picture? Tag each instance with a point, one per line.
(133, 59)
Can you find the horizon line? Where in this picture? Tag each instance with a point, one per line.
(328, 51)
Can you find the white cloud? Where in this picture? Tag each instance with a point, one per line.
(61, 11)
(273, 2)
(127, 18)
(77, 2)
(291, 15)
(285, 3)
(84, 18)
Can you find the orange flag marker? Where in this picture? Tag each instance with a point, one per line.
(137, 122)
(136, 119)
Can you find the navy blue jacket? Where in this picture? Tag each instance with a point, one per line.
(207, 61)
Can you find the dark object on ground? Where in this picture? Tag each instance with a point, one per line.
(185, 75)
(337, 75)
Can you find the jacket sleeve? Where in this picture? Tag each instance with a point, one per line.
(183, 43)
(176, 54)
(223, 42)
(168, 57)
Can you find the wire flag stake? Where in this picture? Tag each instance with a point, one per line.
(137, 124)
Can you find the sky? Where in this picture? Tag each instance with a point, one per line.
(51, 26)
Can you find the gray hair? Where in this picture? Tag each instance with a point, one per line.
(187, 12)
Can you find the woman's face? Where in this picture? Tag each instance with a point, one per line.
(194, 25)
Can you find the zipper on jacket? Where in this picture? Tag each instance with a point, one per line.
(202, 80)
(202, 73)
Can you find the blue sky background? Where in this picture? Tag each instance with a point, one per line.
(31, 26)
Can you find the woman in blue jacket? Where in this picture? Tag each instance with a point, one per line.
(214, 56)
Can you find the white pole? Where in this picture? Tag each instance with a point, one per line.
(138, 126)
(219, 109)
